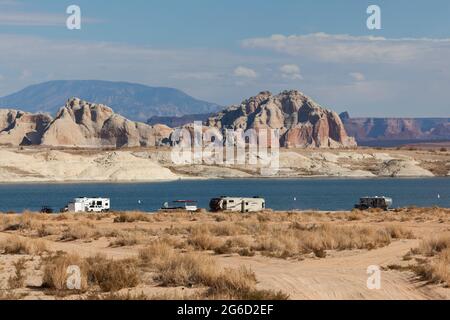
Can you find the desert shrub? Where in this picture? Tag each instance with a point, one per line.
(15, 245)
(435, 244)
(155, 252)
(17, 281)
(436, 271)
(79, 231)
(112, 275)
(132, 217)
(108, 274)
(125, 239)
(203, 240)
(55, 271)
(398, 232)
(225, 229)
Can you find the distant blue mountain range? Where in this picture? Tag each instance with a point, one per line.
(134, 101)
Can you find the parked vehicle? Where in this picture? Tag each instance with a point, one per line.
(188, 205)
(374, 202)
(237, 204)
(85, 204)
(46, 209)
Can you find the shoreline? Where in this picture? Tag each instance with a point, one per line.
(119, 182)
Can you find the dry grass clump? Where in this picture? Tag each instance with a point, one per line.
(132, 217)
(302, 239)
(125, 239)
(436, 271)
(56, 271)
(226, 229)
(17, 245)
(203, 240)
(107, 274)
(238, 244)
(434, 245)
(78, 231)
(435, 268)
(18, 222)
(112, 275)
(154, 252)
(191, 269)
(18, 280)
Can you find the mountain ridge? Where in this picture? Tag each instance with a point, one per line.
(134, 101)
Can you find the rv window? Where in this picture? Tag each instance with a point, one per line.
(230, 201)
(99, 203)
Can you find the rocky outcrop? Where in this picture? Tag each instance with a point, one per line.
(78, 124)
(83, 124)
(396, 129)
(301, 121)
(22, 128)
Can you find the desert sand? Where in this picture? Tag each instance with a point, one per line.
(267, 255)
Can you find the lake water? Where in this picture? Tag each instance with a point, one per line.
(280, 194)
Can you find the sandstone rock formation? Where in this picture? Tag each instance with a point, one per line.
(396, 129)
(302, 122)
(22, 128)
(78, 124)
(83, 124)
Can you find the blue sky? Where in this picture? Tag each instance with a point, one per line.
(225, 51)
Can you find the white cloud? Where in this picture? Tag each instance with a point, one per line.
(395, 89)
(347, 48)
(245, 72)
(291, 71)
(52, 59)
(357, 76)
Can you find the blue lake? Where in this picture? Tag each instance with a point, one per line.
(280, 194)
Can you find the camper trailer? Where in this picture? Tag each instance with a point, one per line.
(187, 205)
(374, 202)
(85, 204)
(237, 204)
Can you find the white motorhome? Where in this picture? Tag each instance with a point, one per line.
(237, 204)
(86, 204)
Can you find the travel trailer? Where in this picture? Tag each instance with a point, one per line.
(237, 204)
(188, 205)
(374, 202)
(85, 204)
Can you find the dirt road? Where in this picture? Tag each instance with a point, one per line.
(340, 277)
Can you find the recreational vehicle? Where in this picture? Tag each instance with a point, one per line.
(237, 204)
(188, 205)
(86, 204)
(374, 202)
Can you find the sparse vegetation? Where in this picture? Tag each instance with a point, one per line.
(166, 251)
(18, 279)
(109, 275)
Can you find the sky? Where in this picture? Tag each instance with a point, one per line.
(224, 51)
